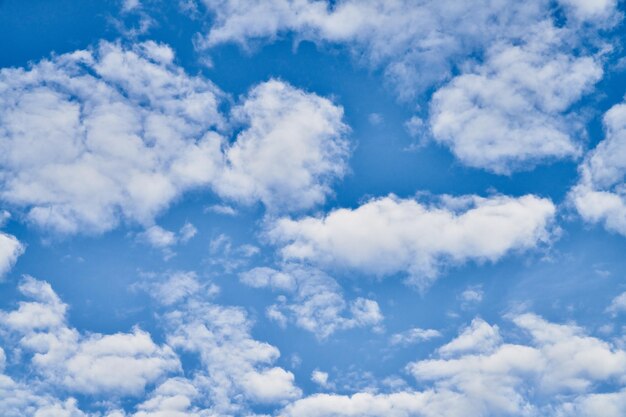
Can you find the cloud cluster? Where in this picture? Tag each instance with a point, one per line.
(234, 369)
(116, 364)
(554, 374)
(313, 300)
(391, 235)
(520, 69)
(97, 136)
(415, 44)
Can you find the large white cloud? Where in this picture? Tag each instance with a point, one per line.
(97, 136)
(391, 235)
(116, 364)
(600, 195)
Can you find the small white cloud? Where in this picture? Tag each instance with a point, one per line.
(320, 378)
(130, 5)
(158, 237)
(412, 336)
(187, 232)
(10, 250)
(222, 209)
(618, 305)
(177, 287)
(471, 296)
(375, 119)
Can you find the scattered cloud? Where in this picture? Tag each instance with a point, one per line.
(413, 336)
(313, 300)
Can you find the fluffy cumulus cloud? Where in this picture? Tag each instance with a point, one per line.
(600, 195)
(555, 373)
(392, 235)
(292, 148)
(115, 364)
(313, 300)
(97, 136)
(507, 112)
(503, 114)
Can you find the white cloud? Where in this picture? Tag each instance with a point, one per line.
(502, 115)
(618, 304)
(173, 398)
(10, 250)
(415, 45)
(116, 364)
(291, 150)
(414, 335)
(478, 337)
(471, 296)
(602, 11)
(313, 301)
(600, 195)
(122, 132)
(187, 232)
(163, 239)
(391, 235)
(554, 374)
(222, 209)
(237, 368)
(158, 237)
(129, 5)
(506, 113)
(320, 378)
(176, 287)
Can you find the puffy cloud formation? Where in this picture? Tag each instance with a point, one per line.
(290, 151)
(116, 364)
(314, 300)
(505, 114)
(237, 368)
(554, 374)
(392, 235)
(415, 44)
(600, 195)
(97, 136)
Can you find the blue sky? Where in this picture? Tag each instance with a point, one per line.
(312, 208)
